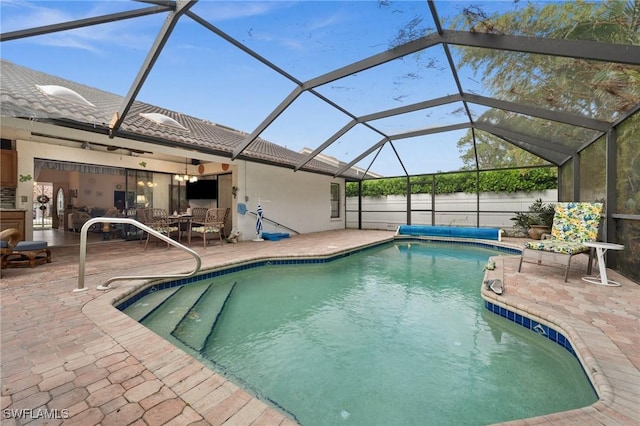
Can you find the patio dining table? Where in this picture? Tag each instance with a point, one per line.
(183, 221)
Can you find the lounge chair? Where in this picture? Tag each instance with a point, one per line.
(573, 224)
(22, 253)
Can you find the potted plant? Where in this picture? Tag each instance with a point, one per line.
(537, 221)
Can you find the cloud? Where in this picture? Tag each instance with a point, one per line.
(20, 15)
(325, 22)
(225, 11)
(138, 33)
(290, 43)
(294, 36)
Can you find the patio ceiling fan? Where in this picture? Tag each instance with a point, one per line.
(137, 151)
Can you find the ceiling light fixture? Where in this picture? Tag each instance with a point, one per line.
(185, 177)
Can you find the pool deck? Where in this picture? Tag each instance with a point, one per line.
(77, 357)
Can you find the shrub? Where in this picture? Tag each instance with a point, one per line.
(539, 214)
(511, 180)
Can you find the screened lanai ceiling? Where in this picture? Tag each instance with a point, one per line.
(394, 87)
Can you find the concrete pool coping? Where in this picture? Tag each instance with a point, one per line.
(120, 372)
(608, 359)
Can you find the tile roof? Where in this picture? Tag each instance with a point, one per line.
(20, 97)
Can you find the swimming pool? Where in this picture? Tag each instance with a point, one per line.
(397, 334)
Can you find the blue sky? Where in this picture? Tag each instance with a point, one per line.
(202, 75)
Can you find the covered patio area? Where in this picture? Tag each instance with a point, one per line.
(65, 350)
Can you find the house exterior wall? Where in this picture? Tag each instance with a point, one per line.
(29, 150)
(299, 200)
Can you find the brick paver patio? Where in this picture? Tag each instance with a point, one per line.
(72, 356)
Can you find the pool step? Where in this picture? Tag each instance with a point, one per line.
(164, 319)
(200, 321)
(148, 303)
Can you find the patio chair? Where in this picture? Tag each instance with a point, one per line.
(198, 216)
(225, 219)
(158, 220)
(8, 240)
(199, 213)
(212, 224)
(141, 216)
(22, 253)
(112, 230)
(573, 225)
(77, 219)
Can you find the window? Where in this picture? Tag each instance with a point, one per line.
(335, 200)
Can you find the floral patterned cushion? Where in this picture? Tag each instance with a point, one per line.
(555, 246)
(167, 229)
(205, 229)
(576, 221)
(573, 224)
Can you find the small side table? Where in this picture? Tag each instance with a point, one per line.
(601, 248)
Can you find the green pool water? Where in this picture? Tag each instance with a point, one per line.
(395, 335)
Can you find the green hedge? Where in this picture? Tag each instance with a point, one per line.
(536, 179)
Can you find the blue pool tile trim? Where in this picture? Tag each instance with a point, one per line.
(483, 244)
(541, 329)
(294, 261)
(230, 270)
(535, 326)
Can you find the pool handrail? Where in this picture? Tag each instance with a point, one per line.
(105, 286)
(266, 219)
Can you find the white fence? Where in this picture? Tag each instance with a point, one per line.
(459, 209)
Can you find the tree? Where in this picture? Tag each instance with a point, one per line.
(493, 152)
(588, 88)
